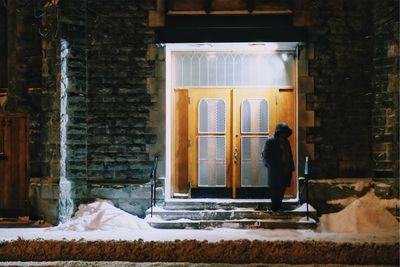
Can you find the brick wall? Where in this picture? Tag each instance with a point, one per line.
(385, 112)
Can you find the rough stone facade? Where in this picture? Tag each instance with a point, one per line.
(385, 112)
(3, 48)
(44, 191)
(121, 73)
(350, 76)
(118, 101)
(31, 87)
(341, 67)
(114, 99)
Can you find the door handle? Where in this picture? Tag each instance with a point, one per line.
(235, 155)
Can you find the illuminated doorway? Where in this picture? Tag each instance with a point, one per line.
(223, 101)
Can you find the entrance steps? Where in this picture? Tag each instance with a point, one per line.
(242, 215)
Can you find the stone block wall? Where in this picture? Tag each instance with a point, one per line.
(100, 88)
(124, 117)
(385, 112)
(45, 184)
(340, 71)
(3, 47)
(24, 76)
(73, 83)
(350, 78)
(118, 99)
(32, 88)
(115, 98)
(132, 198)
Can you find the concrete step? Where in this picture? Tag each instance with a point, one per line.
(226, 204)
(293, 223)
(232, 214)
(233, 217)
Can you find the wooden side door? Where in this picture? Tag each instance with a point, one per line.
(13, 164)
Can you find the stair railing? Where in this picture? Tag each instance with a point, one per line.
(306, 180)
(153, 185)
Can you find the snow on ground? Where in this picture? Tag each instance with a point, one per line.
(102, 215)
(212, 235)
(367, 214)
(364, 220)
(304, 208)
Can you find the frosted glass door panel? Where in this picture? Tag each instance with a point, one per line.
(212, 161)
(212, 116)
(253, 171)
(254, 116)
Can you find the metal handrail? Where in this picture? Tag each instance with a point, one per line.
(306, 180)
(153, 183)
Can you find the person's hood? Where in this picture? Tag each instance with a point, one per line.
(283, 129)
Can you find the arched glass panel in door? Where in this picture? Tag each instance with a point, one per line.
(212, 142)
(255, 117)
(254, 127)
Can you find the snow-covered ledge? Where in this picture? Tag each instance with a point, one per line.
(324, 193)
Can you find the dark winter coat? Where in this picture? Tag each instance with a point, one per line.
(277, 157)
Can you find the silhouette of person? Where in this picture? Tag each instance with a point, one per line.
(277, 157)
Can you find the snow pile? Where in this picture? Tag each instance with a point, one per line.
(102, 215)
(367, 214)
(303, 207)
(305, 219)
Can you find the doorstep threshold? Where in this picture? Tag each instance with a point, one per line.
(227, 200)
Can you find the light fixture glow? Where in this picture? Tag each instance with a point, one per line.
(271, 46)
(204, 45)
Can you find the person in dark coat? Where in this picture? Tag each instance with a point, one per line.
(277, 157)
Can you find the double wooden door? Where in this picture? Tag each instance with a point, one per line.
(219, 135)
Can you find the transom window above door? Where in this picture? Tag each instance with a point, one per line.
(264, 66)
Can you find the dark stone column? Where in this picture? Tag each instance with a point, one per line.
(73, 84)
(47, 187)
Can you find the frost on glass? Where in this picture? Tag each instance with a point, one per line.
(253, 172)
(212, 163)
(212, 116)
(210, 69)
(254, 117)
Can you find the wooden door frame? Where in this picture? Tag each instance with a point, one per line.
(169, 125)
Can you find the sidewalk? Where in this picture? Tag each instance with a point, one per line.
(219, 245)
